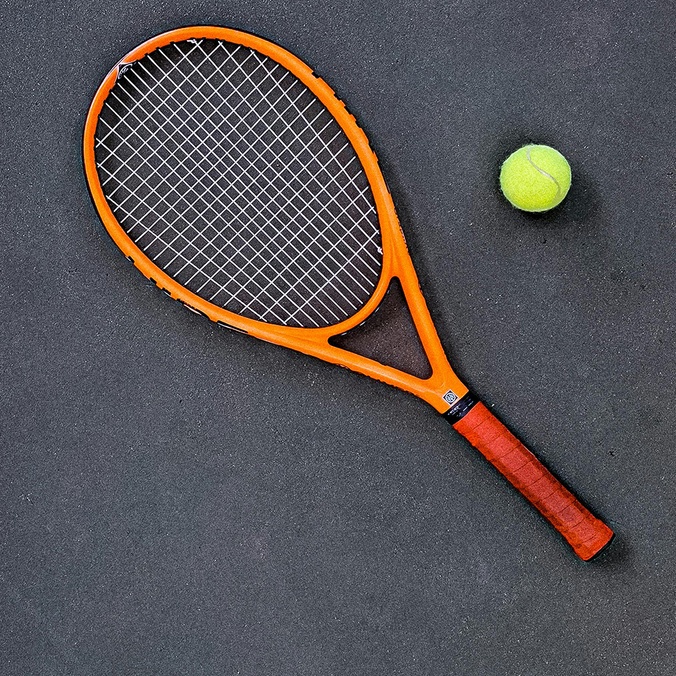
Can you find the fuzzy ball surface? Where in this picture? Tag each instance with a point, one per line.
(535, 178)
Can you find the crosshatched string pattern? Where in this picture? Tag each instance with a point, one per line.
(234, 179)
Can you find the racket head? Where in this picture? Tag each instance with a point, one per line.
(307, 334)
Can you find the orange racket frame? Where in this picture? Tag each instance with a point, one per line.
(443, 389)
(396, 260)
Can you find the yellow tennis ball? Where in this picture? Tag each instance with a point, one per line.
(535, 178)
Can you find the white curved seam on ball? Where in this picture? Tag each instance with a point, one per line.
(543, 172)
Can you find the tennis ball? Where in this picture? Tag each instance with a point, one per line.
(535, 178)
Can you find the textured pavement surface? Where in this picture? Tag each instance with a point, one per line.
(177, 499)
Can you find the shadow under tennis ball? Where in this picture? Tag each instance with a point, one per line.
(581, 206)
(582, 203)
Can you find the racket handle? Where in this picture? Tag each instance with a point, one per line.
(586, 534)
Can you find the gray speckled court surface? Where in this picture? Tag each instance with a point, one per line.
(177, 499)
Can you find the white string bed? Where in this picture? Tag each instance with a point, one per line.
(235, 180)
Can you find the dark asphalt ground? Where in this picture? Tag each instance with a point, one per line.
(176, 499)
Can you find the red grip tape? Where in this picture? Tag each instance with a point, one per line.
(585, 533)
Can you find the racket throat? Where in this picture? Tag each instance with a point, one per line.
(389, 336)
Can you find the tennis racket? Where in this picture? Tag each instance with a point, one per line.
(235, 180)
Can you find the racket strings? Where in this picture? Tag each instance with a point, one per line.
(234, 179)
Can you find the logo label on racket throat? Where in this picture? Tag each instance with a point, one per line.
(450, 397)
